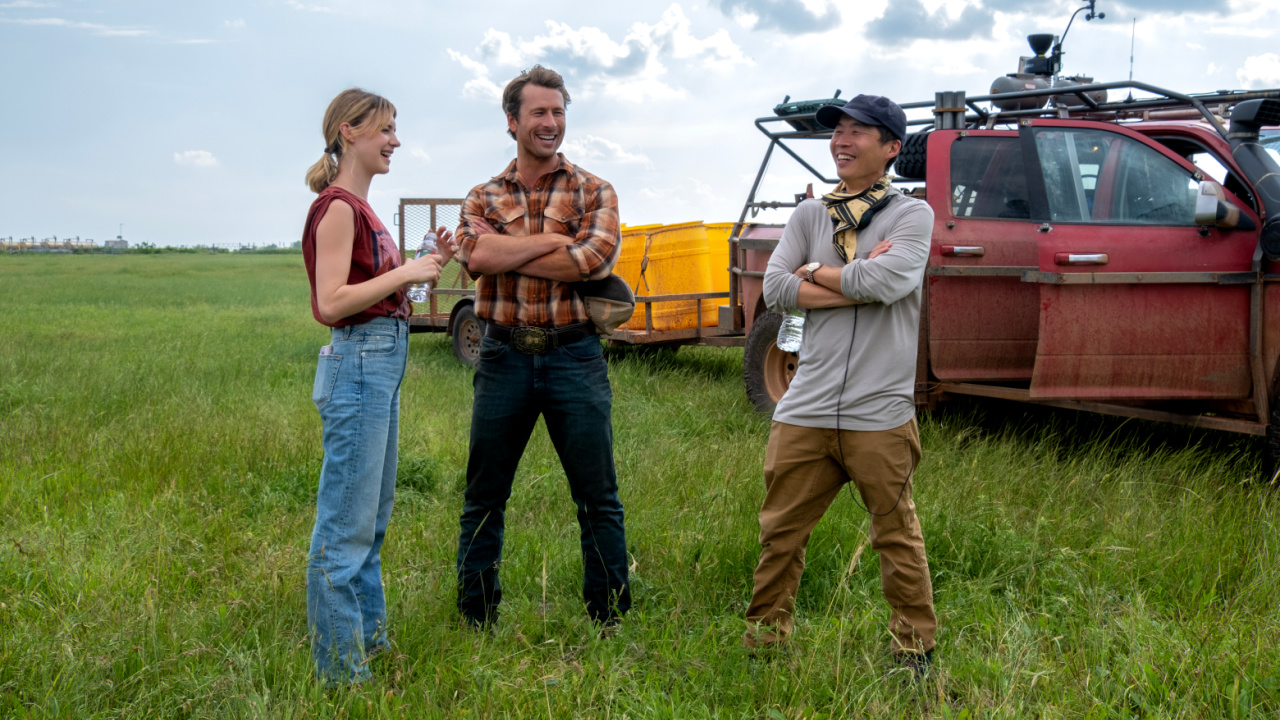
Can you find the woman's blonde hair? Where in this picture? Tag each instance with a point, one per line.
(365, 112)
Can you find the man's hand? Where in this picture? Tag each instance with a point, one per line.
(482, 227)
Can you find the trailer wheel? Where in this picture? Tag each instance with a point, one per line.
(468, 331)
(911, 162)
(766, 370)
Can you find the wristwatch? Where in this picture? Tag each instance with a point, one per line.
(810, 269)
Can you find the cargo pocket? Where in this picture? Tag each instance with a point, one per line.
(326, 377)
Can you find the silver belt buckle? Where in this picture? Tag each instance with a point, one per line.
(530, 340)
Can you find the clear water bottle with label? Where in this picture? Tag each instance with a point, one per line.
(419, 292)
(791, 332)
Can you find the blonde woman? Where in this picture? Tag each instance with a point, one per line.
(358, 286)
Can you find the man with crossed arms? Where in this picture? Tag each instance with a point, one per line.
(525, 235)
(855, 260)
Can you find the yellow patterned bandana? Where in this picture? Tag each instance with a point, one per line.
(852, 211)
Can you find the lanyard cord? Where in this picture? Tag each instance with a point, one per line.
(840, 444)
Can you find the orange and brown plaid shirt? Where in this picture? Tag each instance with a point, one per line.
(569, 201)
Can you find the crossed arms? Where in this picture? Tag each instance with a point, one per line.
(545, 255)
(588, 254)
(892, 271)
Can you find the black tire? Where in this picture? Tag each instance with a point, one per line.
(766, 370)
(468, 331)
(912, 162)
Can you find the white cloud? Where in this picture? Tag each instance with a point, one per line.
(591, 148)
(479, 87)
(631, 68)
(233, 24)
(1260, 71)
(420, 154)
(25, 4)
(195, 158)
(1253, 32)
(309, 8)
(96, 29)
(1195, 46)
(956, 67)
(1213, 68)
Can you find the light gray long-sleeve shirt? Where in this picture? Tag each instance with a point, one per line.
(876, 341)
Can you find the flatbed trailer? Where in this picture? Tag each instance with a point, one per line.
(450, 308)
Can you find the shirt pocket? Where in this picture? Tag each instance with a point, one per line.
(563, 219)
(507, 220)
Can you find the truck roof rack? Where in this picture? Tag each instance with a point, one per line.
(1164, 104)
(955, 110)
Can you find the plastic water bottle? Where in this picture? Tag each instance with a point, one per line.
(419, 293)
(791, 332)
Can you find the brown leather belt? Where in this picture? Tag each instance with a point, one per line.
(536, 340)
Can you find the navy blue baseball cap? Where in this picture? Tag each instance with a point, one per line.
(868, 110)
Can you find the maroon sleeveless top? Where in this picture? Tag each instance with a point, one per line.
(373, 253)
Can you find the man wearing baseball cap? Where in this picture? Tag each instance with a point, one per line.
(854, 260)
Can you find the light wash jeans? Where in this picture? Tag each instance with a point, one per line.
(357, 391)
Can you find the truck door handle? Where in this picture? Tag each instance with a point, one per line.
(1080, 258)
(963, 251)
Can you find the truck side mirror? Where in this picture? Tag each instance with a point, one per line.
(1213, 209)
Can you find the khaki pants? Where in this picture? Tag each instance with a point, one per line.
(803, 472)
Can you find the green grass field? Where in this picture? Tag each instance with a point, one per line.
(158, 461)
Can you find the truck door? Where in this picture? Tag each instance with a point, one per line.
(983, 319)
(1136, 301)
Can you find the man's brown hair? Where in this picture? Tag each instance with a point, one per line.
(538, 75)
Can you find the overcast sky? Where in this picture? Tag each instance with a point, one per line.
(195, 122)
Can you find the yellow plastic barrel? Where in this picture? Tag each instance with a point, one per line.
(631, 254)
(718, 252)
(677, 264)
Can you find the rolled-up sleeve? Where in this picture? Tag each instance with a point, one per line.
(781, 285)
(898, 272)
(472, 209)
(595, 248)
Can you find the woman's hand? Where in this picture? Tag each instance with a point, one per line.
(422, 270)
(446, 246)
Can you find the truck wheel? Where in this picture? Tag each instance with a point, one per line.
(766, 370)
(468, 331)
(911, 162)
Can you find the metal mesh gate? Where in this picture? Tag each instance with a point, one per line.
(416, 218)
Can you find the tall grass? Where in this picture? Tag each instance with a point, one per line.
(158, 462)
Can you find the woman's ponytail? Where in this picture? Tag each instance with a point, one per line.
(363, 112)
(322, 174)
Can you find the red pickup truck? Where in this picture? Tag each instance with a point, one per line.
(1117, 257)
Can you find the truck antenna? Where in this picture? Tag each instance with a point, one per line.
(1133, 29)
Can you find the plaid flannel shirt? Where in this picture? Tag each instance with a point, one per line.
(569, 201)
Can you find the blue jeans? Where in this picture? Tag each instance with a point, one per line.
(569, 387)
(357, 391)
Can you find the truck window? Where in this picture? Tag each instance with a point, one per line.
(987, 178)
(1104, 177)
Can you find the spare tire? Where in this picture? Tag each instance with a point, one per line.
(766, 370)
(912, 163)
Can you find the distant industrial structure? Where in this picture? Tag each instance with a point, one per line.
(47, 245)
